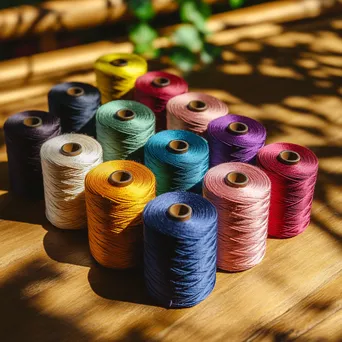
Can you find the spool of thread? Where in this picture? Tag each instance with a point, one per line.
(178, 159)
(116, 74)
(155, 89)
(25, 133)
(180, 238)
(123, 128)
(116, 195)
(241, 194)
(292, 170)
(75, 104)
(66, 160)
(235, 138)
(193, 112)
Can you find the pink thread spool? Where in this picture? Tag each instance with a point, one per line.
(193, 112)
(241, 195)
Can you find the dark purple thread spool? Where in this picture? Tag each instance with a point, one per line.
(25, 133)
(235, 138)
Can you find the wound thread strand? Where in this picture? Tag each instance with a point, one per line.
(180, 116)
(25, 133)
(115, 213)
(155, 89)
(64, 175)
(242, 214)
(292, 188)
(116, 74)
(180, 256)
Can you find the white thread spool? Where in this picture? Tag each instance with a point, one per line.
(66, 160)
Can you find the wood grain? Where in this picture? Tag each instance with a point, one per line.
(52, 290)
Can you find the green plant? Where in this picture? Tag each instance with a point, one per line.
(189, 41)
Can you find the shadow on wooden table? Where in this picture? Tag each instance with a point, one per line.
(21, 318)
(72, 247)
(119, 285)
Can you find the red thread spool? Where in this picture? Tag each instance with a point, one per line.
(292, 170)
(155, 89)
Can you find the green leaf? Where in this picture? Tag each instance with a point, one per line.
(142, 33)
(210, 53)
(142, 9)
(147, 50)
(188, 36)
(183, 58)
(195, 12)
(236, 3)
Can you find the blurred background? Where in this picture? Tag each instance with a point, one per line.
(33, 26)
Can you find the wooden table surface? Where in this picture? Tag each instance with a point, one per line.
(286, 76)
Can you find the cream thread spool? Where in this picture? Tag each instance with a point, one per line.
(66, 160)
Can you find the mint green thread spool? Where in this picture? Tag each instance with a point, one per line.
(123, 128)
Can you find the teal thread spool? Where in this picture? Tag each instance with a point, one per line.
(123, 127)
(179, 160)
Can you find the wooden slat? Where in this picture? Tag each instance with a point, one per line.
(320, 309)
(54, 16)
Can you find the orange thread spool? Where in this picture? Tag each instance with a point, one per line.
(116, 195)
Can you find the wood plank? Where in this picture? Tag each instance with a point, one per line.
(320, 309)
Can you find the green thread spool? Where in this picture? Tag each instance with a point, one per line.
(123, 128)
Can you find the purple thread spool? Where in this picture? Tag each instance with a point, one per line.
(25, 133)
(235, 138)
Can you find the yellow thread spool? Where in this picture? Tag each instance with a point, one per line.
(116, 195)
(116, 74)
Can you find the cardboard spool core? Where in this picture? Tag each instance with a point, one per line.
(197, 106)
(180, 211)
(178, 146)
(238, 128)
(236, 179)
(120, 178)
(125, 114)
(33, 121)
(71, 149)
(161, 82)
(289, 157)
(75, 91)
(119, 62)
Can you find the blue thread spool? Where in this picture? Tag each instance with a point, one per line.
(75, 103)
(179, 160)
(180, 245)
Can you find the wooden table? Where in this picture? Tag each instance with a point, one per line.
(52, 290)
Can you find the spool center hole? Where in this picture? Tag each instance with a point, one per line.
(71, 149)
(33, 121)
(75, 91)
(237, 179)
(161, 82)
(180, 211)
(289, 157)
(238, 127)
(125, 114)
(119, 62)
(121, 178)
(197, 106)
(178, 146)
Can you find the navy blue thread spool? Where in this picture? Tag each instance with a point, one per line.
(179, 160)
(25, 133)
(180, 245)
(76, 104)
